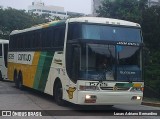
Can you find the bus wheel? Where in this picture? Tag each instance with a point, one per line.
(1, 79)
(16, 80)
(58, 94)
(20, 81)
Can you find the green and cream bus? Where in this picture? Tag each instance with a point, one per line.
(63, 59)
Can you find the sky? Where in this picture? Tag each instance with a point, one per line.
(81, 6)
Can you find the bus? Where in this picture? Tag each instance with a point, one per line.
(3, 58)
(62, 58)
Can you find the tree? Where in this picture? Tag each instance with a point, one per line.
(151, 27)
(123, 9)
(151, 34)
(12, 19)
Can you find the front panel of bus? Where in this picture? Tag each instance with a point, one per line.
(104, 64)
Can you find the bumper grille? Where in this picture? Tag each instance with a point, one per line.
(115, 88)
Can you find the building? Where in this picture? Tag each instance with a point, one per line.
(39, 8)
(97, 3)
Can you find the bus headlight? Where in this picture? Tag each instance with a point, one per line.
(88, 88)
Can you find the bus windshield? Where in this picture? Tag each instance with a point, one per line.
(104, 32)
(104, 62)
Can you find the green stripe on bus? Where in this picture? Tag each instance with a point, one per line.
(39, 70)
(124, 84)
(45, 71)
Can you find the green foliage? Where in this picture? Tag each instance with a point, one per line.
(151, 27)
(12, 19)
(151, 34)
(122, 9)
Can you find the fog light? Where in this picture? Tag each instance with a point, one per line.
(90, 98)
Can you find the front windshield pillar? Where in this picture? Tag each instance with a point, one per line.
(86, 61)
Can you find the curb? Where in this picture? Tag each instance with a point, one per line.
(151, 104)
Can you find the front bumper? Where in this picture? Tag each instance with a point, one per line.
(109, 98)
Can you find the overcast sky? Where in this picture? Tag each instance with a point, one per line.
(81, 6)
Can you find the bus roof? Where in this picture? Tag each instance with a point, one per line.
(99, 20)
(4, 41)
(104, 21)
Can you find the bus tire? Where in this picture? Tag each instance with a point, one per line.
(1, 79)
(58, 94)
(20, 81)
(15, 79)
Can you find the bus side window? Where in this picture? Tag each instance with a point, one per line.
(62, 36)
(22, 42)
(37, 40)
(44, 38)
(29, 35)
(59, 36)
(56, 36)
(40, 39)
(49, 38)
(11, 42)
(52, 37)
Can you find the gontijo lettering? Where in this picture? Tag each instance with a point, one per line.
(24, 57)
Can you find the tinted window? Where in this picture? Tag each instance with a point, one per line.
(59, 36)
(50, 37)
(41, 39)
(100, 32)
(74, 31)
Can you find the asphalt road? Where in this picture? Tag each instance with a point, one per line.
(15, 99)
